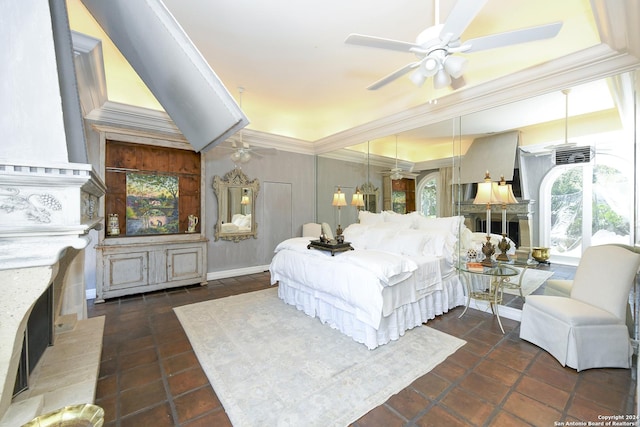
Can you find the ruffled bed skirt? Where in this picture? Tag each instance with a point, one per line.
(392, 327)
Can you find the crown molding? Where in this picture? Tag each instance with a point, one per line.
(268, 140)
(127, 116)
(590, 64)
(346, 155)
(89, 64)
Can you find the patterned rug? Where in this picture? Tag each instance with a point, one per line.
(271, 365)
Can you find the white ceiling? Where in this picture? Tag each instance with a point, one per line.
(302, 81)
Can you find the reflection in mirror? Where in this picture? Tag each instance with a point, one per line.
(370, 195)
(236, 206)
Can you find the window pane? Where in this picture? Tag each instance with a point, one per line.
(611, 200)
(429, 199)
(566, 211)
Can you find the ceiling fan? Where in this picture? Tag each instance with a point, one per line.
(435, 46)
(242, 151)
(396, 172)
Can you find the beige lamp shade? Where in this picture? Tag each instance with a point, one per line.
(488, 193)
(506, 194)
(505, 191)
(339, 198)
(357, 199)
(245, 200)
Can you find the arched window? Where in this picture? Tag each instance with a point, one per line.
(428, 195)
(586, 204)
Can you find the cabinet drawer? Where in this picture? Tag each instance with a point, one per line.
(185, 263)
(127, 270)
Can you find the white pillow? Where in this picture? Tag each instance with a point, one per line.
(406, 219)
(406, 242)
(368, 218)
(449, 223)
(356, 234)
(298, 244)
(439, 243)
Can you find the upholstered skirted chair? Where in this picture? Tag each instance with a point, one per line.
(587, 329)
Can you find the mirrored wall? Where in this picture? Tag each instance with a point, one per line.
(570, 163)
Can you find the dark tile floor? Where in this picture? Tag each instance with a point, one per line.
(150, 376)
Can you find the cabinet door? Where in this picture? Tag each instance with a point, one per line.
(185, 263)
(126, 270)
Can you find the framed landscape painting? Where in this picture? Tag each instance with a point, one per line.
(152, 204)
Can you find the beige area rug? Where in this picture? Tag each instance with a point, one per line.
(532, 280)
(271, 365)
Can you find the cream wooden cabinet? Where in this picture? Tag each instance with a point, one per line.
(399, 195)
(127, 267)
(157, 250)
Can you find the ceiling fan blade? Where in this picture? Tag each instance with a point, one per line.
(459, 18)
(380, 43)
(396, 74)
(524, 35)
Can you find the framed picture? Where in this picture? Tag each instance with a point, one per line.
(152, 204)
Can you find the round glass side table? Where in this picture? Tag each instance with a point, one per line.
(498, 275)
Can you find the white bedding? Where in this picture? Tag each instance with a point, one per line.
(368, 294)
(356, 277)
(400, 275)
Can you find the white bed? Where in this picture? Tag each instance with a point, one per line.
(398, 277)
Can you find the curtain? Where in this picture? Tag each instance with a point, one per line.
(445, 195)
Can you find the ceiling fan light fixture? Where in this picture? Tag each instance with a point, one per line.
(441, 79)
(418, 78)
(396, 175)
(431, 65)
(455, 66)
(245, 156)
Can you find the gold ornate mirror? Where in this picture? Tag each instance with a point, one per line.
(236, 206)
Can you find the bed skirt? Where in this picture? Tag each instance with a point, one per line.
(392, 327)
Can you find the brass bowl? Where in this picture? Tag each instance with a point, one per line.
(540, 254)
(85, 415)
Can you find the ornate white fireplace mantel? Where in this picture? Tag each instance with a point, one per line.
(44, 211)
(520, 213)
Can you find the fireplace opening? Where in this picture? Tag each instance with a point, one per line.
(37, 337)
(513, 229)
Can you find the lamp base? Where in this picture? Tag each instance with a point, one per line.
(488, 249)
(504, 246)
(339, 230)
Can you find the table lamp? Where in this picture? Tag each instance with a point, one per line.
(487, 194)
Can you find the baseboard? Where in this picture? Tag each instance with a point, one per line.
(214, 275)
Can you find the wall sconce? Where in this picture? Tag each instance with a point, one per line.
(506, 198)
(339, 200)
(487, 194)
